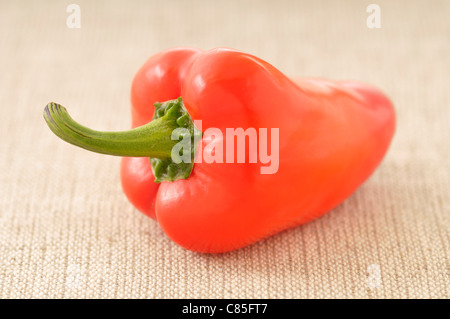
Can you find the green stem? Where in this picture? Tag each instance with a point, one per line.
(153, 139)
(150, 140)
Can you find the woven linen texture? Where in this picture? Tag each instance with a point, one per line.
(67, 230)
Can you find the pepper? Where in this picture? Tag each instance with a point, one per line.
(332, 136)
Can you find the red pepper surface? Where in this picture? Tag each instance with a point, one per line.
(332, 136)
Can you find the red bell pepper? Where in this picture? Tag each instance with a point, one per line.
(332, 136)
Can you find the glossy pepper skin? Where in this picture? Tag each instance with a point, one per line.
(332, 136)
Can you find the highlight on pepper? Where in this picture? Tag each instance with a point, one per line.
(225, 150)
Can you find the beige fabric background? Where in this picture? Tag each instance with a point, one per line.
(66, 229)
